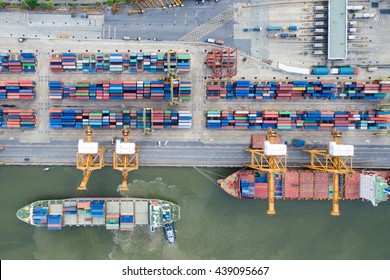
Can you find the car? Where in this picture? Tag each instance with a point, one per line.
(165, 143)
(26, 159)
(159, 143)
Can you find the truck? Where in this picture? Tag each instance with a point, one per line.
(284, 35)
(210, 40)
(219, 42)
(318, 38)
(319, 8)
(298, 142)
(319, 23)
(257, 29)
(355, 8)
(318, 45)
(274, 28)
(318, 52)
(127, 38)
(319, 30)
(353, 23)
(84, 15)
(317, 16)
(352, 30)
(351, 37)
(293, 27)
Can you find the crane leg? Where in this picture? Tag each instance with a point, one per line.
(83, 185)
(335, 204)
(124, 181)
(271, 194)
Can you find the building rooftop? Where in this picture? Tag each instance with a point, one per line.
(337, 29)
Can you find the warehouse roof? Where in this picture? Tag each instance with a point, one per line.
(337, 29)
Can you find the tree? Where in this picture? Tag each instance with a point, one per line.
(2, 4)
(31, 4)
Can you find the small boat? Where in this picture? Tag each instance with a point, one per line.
(169, 232)
(46, 169)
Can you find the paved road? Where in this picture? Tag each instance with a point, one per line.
(181, 154)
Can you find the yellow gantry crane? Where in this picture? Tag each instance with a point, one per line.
(89, 157)
(272, 159)
(125, 157)
(148, 116)
(173, 78)
(337, 159)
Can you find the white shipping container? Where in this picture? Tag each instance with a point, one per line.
(123, 148)
(319, 38)
(340, 150)
(316, 16)
(351, 37)
(372, 69)
(274, 149)
(87, 147)
(334, 71)
(352, 30)
(353, 23)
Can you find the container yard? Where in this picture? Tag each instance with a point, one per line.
(120, 62)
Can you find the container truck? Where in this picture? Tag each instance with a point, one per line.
(351, 37)
(274, 28)
(219, 42)
(284, 35)
(352, 30)
(317, 52)
(319, 30)
(319, 8)
(355, 8)
(293, 27)
(210, 40)
(372, 69)
(368, 15)
(257, 29)
(298, 143)
(353, 23)
(319, 23)
(318, 38)
(318, 45)
(317, 16)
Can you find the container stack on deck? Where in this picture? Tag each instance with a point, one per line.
(112, 215)
(162, 119)
(155, 90)
(23, 89)
(119, 62)
(297, 119)
(17, 118)
(296, 90)
(21, 62)
(126, 219)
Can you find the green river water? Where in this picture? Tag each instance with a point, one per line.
(213, 225)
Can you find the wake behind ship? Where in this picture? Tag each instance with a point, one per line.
(113, 213)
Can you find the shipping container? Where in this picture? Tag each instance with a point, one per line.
(318, 45)
(274, 28)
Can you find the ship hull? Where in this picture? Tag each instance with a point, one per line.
(111, 212)
(308, 185)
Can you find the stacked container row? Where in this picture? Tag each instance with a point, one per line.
(155, 90)
(119, 62)
(296, 90)
(23, 89)
(313, 120)
(156, 119)
(23, 62)
(16, 118)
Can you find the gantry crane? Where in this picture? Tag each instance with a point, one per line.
(125, 157)
(337, 159)
(89, 157)
(272, 159)
(148, 130)
(173, 79)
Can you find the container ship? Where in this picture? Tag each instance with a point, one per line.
(309, 185)
(114, 213)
